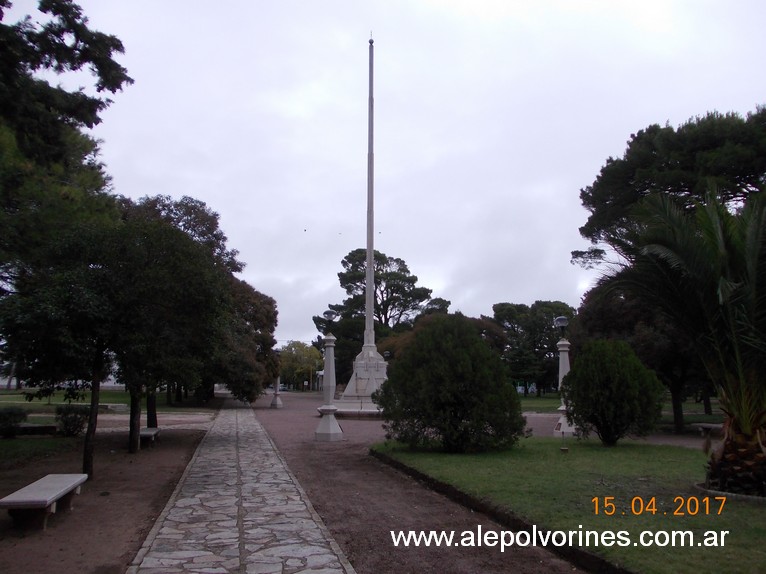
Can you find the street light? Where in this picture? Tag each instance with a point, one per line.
(330, 315)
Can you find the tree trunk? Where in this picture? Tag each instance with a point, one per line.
(179, 393)
(677, 399)
(97, 374)
(706, 400)
(90, 432)
(134, 438)
(151, 408)
(739, 466)
(169, 394)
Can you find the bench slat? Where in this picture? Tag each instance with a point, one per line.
(44, 492)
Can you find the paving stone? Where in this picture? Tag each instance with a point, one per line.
(238, 508)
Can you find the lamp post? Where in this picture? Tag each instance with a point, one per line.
(328, 429)
(562, 428)
(276, 401)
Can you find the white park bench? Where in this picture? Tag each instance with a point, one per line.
(149, 435)
(33, 504)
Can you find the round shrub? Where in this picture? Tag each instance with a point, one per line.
(72, 419)
(447, 388)
(609, 391)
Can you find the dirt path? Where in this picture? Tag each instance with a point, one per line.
(361, 500)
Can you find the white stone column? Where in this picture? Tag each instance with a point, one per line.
(276, 402)
(563, 428)
(328, 429)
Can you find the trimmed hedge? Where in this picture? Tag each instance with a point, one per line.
(10, 418)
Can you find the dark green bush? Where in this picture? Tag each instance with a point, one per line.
(447, 388)
(609, 391)
(10, 418)
(72, 419)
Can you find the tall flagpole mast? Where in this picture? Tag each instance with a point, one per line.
(369, 366)
(369, 328)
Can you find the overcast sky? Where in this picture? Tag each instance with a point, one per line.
(490, 116)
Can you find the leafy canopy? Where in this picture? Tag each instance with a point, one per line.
(39, 113)
(530, 349)
(722, 152)
(398, 299)
(398, 302)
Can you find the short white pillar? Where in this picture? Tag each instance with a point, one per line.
(328, 429)
(563, 428)
(276, 402)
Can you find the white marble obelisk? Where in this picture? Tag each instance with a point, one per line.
(369, 366)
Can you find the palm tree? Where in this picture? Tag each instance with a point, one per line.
(706, 269)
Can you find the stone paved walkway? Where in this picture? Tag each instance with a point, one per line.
(239, 509)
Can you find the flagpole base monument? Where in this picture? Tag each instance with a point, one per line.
(369, 373)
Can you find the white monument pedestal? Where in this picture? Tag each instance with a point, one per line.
(328, 429)
(370, 370)
(563, 428)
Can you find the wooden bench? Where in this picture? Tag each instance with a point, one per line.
(149, 435)
(33, 504)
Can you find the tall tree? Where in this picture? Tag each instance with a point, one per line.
(243, 359)
(52, 200)
(398, 302)
(198, 221)
(398, 299)
(56, 323)
(531, 351)
(298, 362)
(724, 152)
(166, 299)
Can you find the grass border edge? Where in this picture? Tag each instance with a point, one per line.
(577, 556)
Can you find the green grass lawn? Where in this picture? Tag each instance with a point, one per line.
(109, 396)
(548, 403)
(555, 491)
